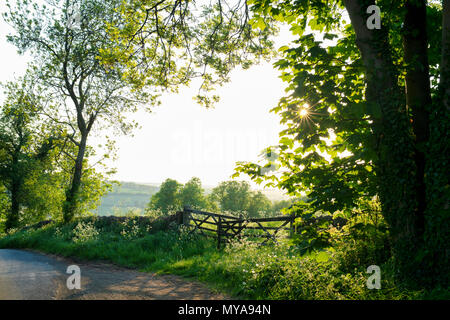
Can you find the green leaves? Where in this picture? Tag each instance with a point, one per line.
(167, 44)
(286, 141)
(358, 109)
(166, 199)
(32, 149)
(324, 153)
(258, 23)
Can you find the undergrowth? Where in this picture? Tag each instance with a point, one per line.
(242, 269)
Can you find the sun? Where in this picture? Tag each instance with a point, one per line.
(303, 112)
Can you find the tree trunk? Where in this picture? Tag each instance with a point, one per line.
(418, 95)
(13, 216)
(395, 166)
(445, 57)
(12, 219)
(70, 205)
(437, 215)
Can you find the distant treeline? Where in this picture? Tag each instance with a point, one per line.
(235, 197)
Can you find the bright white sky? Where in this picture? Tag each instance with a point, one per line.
(180, 139)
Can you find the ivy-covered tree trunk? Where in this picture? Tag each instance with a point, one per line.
(12, 220)
(418, 95)
(395, 166)
(70, 204)
(437, 171)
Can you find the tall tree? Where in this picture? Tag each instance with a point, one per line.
(66, 39)
(3, 207)
(26, 143)
(192, 194)
(437, 215)
(101, 55)
(259, 205)
(364, 112)
(167, 198)
(232, 196)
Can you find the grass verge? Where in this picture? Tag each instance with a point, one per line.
(242, 270)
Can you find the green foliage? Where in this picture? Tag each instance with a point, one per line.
(79, 92)
(437, 233)
(438, 210)
(364, 239)
(131, 229)
(166, 199)
(348, 133)
(281, 205)
(236, 197)
(35, 162)
(70, 53)
(192, 194)
(3, 208)
(232, 196)
(259, 205)
(28, 157)
(84, 231)
(326, 152)
(229, 196)
(167, 44)
(349, 143)
(94, 185)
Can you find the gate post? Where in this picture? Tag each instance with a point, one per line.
(241, 218)
(219, 232)
(186, 216)
(180, 217)
(291, 227)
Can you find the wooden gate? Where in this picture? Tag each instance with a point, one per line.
(226, 227)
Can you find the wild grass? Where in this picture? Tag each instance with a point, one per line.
(242, 269)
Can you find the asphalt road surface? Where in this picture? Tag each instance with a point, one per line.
(26, 275)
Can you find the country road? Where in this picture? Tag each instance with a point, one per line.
(28, 275)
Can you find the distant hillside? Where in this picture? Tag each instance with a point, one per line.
(130, 195)
(275, 194)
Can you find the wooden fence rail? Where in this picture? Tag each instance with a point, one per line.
(224, 227)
